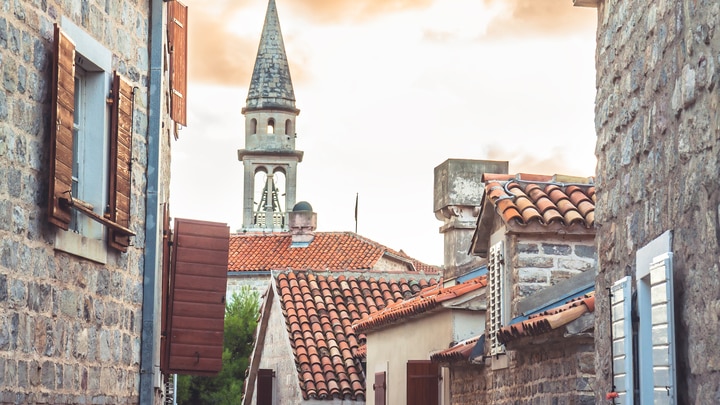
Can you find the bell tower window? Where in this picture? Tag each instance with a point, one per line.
(253, 126)
(288, 127)
(271, 126)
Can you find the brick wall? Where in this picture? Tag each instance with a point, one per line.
(539, 263)
(554, 371)
(69, 327)
(657, 121)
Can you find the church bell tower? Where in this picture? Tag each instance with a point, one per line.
(269, 158)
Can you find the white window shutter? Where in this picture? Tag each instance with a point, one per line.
(663, 327)
(496, 284)
(621, 308)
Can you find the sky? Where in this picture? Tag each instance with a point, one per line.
(388, 90)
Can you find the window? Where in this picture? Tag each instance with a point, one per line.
(423, 378)
(177, 38)
(651, 362)
(90, 147)
(380, 387)
(497, 307)
(253, 126)
(265, 386)
(271, 126)
(288, 127)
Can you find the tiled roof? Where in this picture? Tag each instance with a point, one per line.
(536, 199)
(319, 311)
(429, 299)
(329, 251)
(548, 320)
(458, 352)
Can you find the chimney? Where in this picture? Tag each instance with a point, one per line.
(303, 222)
(457, 201)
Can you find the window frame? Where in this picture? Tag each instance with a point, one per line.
(86, 143)
(498, 300)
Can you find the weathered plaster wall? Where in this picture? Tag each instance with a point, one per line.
(658, 126)
(277, 355)
(390, 349)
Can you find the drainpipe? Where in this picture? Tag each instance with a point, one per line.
(150, 336)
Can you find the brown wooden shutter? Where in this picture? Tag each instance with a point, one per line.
(120, 161)
(265, 387)
(196, 296)
(177, 37)
(166, 303)
(422, 382)
(379, 387)
(61, 129)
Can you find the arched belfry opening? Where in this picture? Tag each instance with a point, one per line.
(271, 126)
(268, 199)
(288, 127)
(253, 126)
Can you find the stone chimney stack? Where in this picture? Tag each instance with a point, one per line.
(303, 222)
(457, 197)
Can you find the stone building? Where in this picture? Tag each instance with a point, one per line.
(91, 96)
(657, 122)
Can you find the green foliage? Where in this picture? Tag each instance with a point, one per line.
(241, 314)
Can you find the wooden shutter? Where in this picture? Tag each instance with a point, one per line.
(663, 331)
(120, 161)
(61, 129)
(622, 340)
(380, 388)
(265, 386)
(423, 379)
(166, 303)
(196, 297)
(177, 38)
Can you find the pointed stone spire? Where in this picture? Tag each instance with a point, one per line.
(271, 86)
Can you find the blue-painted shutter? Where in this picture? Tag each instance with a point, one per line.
(621, 307)
(663, 327)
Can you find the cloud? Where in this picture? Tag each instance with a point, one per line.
(545, 17)
(334, 11)
(523, 162)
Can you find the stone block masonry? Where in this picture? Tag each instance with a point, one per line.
(540, 263)
(69, 327)
(658, 149)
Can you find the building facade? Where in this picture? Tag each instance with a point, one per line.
(658, 198)
(85, 127)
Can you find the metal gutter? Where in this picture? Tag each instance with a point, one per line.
(150, 336)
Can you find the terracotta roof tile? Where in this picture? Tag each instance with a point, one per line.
(536, 199)
(457, 352)
(329, 251)
(551, 319)
(429, 298)
(325, 353)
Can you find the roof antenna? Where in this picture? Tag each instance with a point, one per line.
(356, 210)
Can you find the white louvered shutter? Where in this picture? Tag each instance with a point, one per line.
(663, 335)
(496, 283)
(621, 307)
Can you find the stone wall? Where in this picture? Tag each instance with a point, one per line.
(541, 262)
(657, 121)
(556, 371)
(69, 328)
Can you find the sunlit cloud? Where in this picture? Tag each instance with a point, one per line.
(547, 17)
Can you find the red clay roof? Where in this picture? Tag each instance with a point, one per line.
(428, 299)
(460, 351)
(531, 198)
(549, 320)
(329, 251)
(319, 311)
